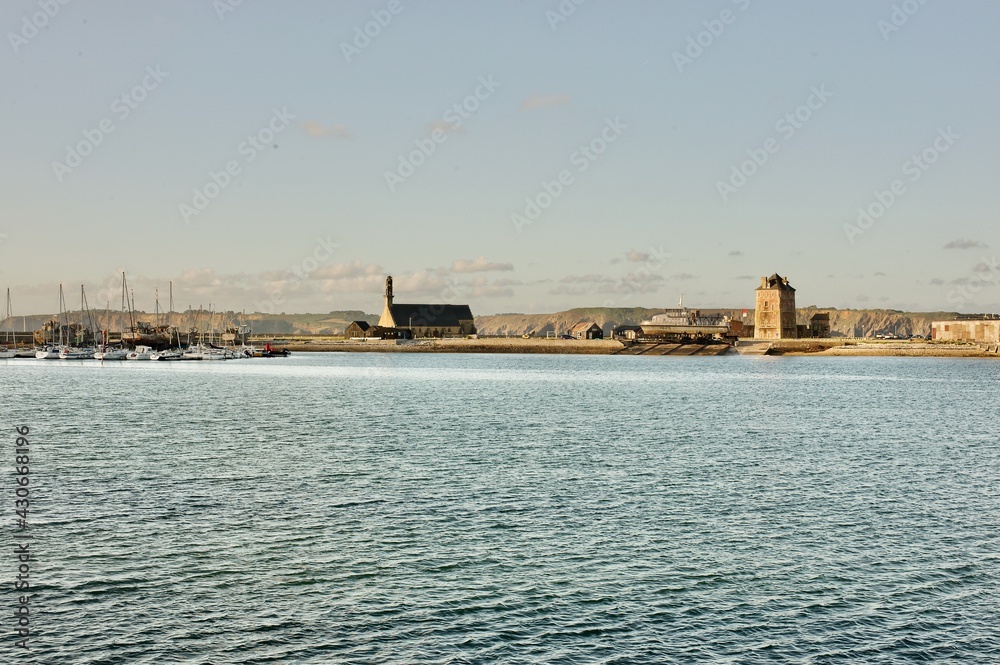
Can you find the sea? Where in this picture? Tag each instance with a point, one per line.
(464, 508)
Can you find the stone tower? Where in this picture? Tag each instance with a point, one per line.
(774, 316)
(386, 318)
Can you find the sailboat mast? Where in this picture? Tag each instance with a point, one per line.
(9, 320)
(62, 306)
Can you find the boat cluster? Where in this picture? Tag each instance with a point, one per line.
(102, 353)
(139, 340)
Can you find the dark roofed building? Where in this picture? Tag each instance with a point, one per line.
(587, 330)
(357, 329)
(426, 320)
(626, 332)
(819, 324)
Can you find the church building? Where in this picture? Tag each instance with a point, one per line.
(774, 316)
(426, 320)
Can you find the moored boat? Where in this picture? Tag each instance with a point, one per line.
(167, 355)
(47, 352)
(73, 353)
(111, 353)
(139, 353)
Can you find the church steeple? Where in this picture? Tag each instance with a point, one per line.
(388, 290)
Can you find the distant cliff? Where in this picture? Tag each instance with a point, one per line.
(843, 322)
(331, 323)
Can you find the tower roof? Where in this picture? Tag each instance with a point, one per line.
(775, 281)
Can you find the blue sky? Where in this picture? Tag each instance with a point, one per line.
(308, 220)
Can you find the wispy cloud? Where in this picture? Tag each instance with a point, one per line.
(445, 127)
(543, 101)
(636, 257)
(319, 130)
(736, 252)
(965, 244)
(355, 268)
(590, 278)
(479, 265)
(481, 287)
(637, 282)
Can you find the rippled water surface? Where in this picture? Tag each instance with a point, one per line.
(363, 508)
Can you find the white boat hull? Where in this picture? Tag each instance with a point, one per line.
(140, 353)
(76, 354)
(110, 355)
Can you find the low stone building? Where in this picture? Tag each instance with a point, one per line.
(587, 330)
(985, 330)
(626, 332)
(357, 330)
(819, 324)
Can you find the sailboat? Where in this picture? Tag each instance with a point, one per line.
(49, 350)
(7, 350)
(105, 352)
(79, 352)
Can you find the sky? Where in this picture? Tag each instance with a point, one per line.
(515, 156)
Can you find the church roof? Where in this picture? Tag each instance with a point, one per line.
(445, 316)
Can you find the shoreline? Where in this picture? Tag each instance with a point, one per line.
(810, 347)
